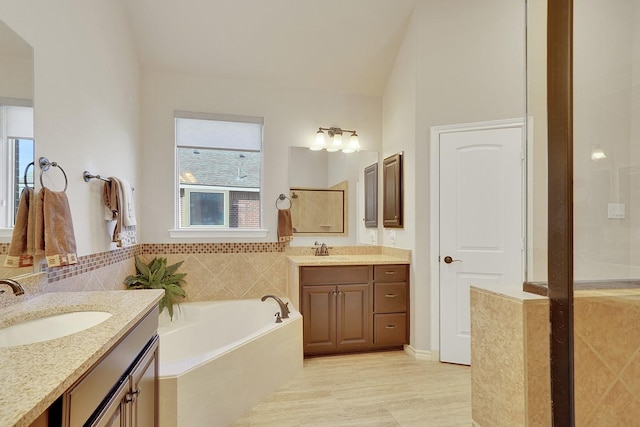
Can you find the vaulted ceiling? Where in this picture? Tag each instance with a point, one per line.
(344, 45)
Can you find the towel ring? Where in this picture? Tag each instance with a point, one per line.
(44, 166)
(281, 198)
(24, 178)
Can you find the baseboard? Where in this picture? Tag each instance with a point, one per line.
(422, 354)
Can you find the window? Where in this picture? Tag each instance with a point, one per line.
(16, 154)
(219, 159)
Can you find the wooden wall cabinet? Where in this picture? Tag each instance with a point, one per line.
(392, 193)
(353, 308)
(371, 196)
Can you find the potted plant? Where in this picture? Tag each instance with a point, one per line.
(157, 275)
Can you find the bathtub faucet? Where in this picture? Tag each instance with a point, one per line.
(15, 286)
(284, 306)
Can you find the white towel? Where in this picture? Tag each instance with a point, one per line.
(128, 208)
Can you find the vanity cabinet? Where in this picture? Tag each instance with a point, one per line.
(336, 309)
(122, 388)
(353, 308)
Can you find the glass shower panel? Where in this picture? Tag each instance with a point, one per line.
(606, 157)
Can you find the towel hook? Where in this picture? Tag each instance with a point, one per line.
(44, 166)
(24, 178)
(280, 198)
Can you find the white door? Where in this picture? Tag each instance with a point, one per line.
(481, 232)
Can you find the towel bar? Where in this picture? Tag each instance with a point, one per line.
(44, 166)
(88, 177)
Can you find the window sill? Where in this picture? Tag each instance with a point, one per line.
(189, 233)
(6, 233)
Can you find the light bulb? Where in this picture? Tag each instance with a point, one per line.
(320, 142)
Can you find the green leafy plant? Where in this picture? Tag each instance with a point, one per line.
(157, 275)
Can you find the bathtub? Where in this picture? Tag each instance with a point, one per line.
(217, 359)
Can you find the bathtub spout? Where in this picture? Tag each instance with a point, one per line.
(284, 306)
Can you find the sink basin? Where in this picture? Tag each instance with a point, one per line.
(50, 327)
(335, 258)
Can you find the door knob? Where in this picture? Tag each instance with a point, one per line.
(449, 260)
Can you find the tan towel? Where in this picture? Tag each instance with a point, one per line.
(285, 229)
(54, 229)
(113, 201)
(20, 253)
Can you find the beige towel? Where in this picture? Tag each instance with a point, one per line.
(54, 229)
(20, 252)
(285, 230)
(118, 201)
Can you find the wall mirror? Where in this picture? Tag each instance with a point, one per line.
(342, 174)
(16, 134)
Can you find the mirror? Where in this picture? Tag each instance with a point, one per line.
(342, 174)
(16, 143)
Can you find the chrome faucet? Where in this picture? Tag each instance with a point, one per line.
(284, 306)
(15, 286)
(321, 249)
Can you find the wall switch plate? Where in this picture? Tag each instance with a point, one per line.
(616, 211)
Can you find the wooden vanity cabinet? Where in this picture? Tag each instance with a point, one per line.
(336, 309)
(391, 302)
(122, 388)
(353, 308)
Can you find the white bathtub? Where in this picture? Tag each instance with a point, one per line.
(218, 359)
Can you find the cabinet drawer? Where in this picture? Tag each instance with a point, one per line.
(390, 273)
(390, 297)
(390, 329)
(334, 275)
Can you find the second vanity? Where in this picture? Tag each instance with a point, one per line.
(70, 377)
(351, 303)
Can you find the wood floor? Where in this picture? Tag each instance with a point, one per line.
(373, 389)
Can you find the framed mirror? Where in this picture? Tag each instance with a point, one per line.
(16, 135)
(321, 170)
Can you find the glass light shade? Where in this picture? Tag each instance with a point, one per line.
(598, 154)
(319, 143)
(354, 144)
(336, 143)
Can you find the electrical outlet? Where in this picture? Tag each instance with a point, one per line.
(616, 211)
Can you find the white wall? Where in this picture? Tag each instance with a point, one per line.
(86, 100)
(461, 62)
(291, 118)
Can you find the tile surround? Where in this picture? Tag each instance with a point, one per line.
(606, 351)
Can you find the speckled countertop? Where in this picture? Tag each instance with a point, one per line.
(33, 376)
(302, 260)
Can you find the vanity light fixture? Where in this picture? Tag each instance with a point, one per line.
(335, 142)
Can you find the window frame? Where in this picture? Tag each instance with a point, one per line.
(215, 231)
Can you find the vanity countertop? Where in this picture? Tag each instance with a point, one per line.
(371, 259)
(33, 376)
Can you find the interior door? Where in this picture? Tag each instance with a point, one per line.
(481, 225)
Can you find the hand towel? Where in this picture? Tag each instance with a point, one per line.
(54, 229)
(126, 202)
(20, 253)
(119, 207)
(285, 229)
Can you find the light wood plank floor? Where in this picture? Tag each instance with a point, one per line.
(373, 389)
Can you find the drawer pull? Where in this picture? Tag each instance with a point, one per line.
(390, 326)
(391, 295)
(389, 272)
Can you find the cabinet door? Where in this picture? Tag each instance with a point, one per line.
(371, 196)
(143, 395)
(319, 318)
(392, 196)
(353, 316)
(114, 412)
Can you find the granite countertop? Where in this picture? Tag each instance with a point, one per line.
(305, 260)
(34, 375)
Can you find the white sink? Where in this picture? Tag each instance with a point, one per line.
(50, 327)
(334, 258)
